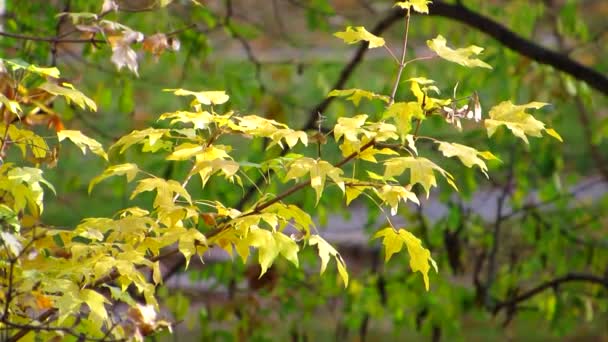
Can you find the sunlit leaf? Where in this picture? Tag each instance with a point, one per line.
(356, 34)
(203, 97)
(149, 136)
(165, 190)
(128, 169)
(349, 127)
(355, 95)
(515, 118)
(392, 195)
(420, 6)
(420, 257)
(403, 113)
(461, 56)
(95, 301)
(12, 106)
(319, 170)
(83, 142)
(467, 155)
(70, 94)
(421, 171)
(325, 252)
(287, 247)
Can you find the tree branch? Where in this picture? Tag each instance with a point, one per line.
(53, 40)
(517, 43)
(571, 277)
(349, 68)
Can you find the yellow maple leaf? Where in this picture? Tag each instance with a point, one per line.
(421, 171)
(461, 56)
(420, 6)
(420, 257)
(356, 34)
(515, 118)
(467, 155)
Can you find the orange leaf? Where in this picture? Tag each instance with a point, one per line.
(56, 123)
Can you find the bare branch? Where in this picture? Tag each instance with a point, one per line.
(571, 277)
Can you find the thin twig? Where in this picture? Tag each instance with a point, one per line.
(403, 54)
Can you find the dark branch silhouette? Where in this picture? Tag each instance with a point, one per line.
(571, 277)
(518, 43)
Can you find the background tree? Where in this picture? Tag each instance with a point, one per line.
(526, 246)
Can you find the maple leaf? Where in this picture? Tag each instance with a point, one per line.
(319, 170)
(165, 190)
(421, 171)
(461, 56)
(467, 155)
(68, 91)
(150, 137)
(515, 118)
(325, 252)
(422, 95)
(157, 43)
(287, 247)
(215, 97)
(420, 257)
(356, 34)
(12, 106)
(350, 147)
(128, 169)
(122, 53)
(420, 6)
(403, 113)
(355, 95)
(266, 244)
(95, 301)
(17, 64)
(349, 127)
(83, 142)
(200, 120)
(392, 195)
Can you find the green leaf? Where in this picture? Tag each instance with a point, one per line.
(420, 257)
(325, 252)
(128, 169)
(461, 56)
(355, 95)
(354, 35)
(420, 6)
(83, 142)
(515, 118)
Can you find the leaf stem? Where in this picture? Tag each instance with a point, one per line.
(403, 54)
